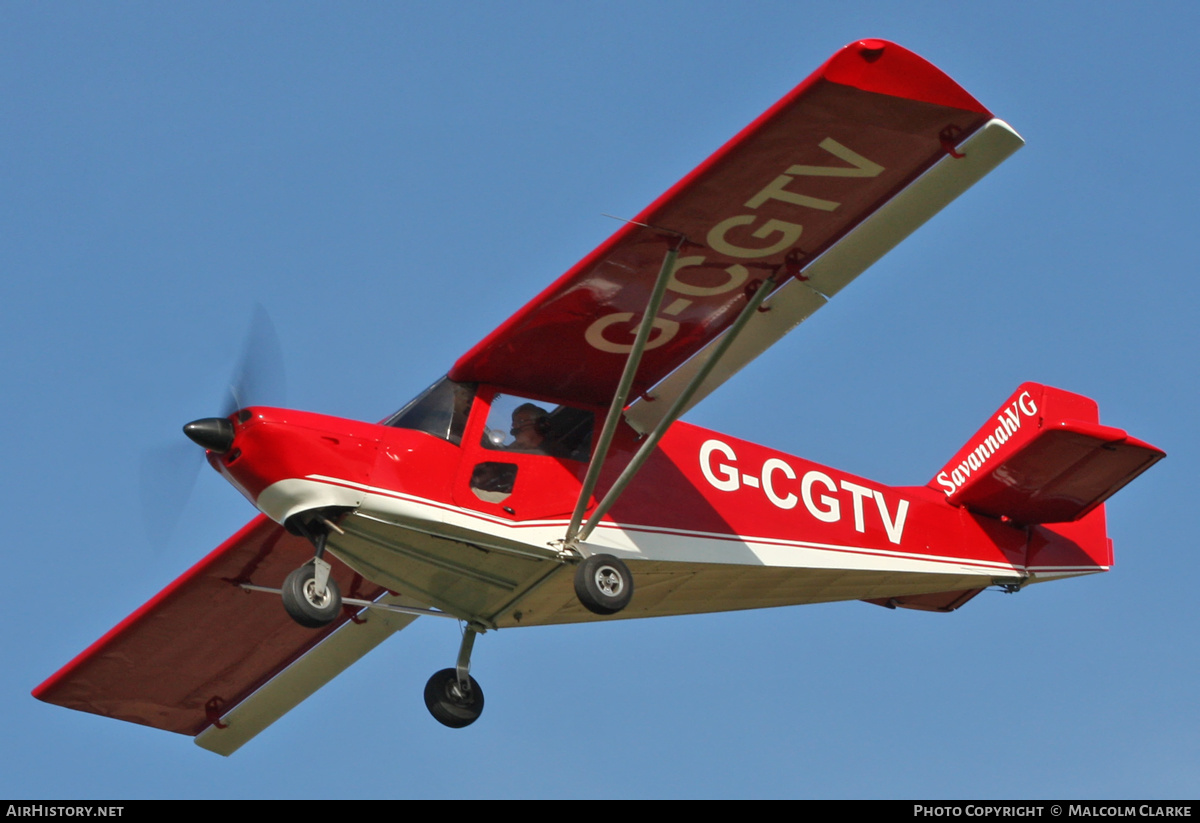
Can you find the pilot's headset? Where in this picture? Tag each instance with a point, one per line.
(541, 418)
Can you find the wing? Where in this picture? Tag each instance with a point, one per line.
(205, 653)
(813, 175)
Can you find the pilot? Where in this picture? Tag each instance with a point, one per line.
(530, 425)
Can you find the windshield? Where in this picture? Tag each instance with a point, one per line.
(440, 410)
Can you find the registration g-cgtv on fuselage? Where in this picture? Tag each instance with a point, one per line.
(547, 479)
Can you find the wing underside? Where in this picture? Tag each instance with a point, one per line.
(204, 644)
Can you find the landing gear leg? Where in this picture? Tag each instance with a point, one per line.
(310, 596)
(452, 695)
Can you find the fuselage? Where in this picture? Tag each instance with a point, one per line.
(702, 498)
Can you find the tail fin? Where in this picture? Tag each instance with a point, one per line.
(1043, 458)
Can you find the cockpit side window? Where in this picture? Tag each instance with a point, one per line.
(518, 424)
(440, 410)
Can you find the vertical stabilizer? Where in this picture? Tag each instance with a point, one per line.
(1043, 457)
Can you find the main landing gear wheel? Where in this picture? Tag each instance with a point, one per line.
(306, 607)
(603, 584)
(451, 704)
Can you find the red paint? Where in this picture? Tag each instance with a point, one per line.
(763, 203)
(892, 111)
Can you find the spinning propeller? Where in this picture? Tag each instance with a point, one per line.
(168, 472)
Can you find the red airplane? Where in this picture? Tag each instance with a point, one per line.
(547, 478)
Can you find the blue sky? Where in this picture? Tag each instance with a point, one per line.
(392, 180)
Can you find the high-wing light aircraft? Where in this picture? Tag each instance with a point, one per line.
(547, 478)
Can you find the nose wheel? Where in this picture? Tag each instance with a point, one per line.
(309, 601)
(310, 596)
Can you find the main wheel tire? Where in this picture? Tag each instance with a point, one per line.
(603, 584)
(302, 602)
(448, 704)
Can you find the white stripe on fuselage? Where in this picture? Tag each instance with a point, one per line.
(637, 541)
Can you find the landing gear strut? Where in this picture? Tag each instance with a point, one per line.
(310, 596)
(452, 696)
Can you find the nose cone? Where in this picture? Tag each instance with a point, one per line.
(213, 433)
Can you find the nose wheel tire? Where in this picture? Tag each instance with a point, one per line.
(306, 607)
(449, 703)
(603, 584)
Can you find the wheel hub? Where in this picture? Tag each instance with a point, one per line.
(608, 580)
(457, 694)
(310, 593)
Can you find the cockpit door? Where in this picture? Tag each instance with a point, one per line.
(523, 459)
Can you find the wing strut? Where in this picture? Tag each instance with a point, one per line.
(677, 408)
(617, 407)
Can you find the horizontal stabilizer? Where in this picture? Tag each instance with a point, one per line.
(1043, 458)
